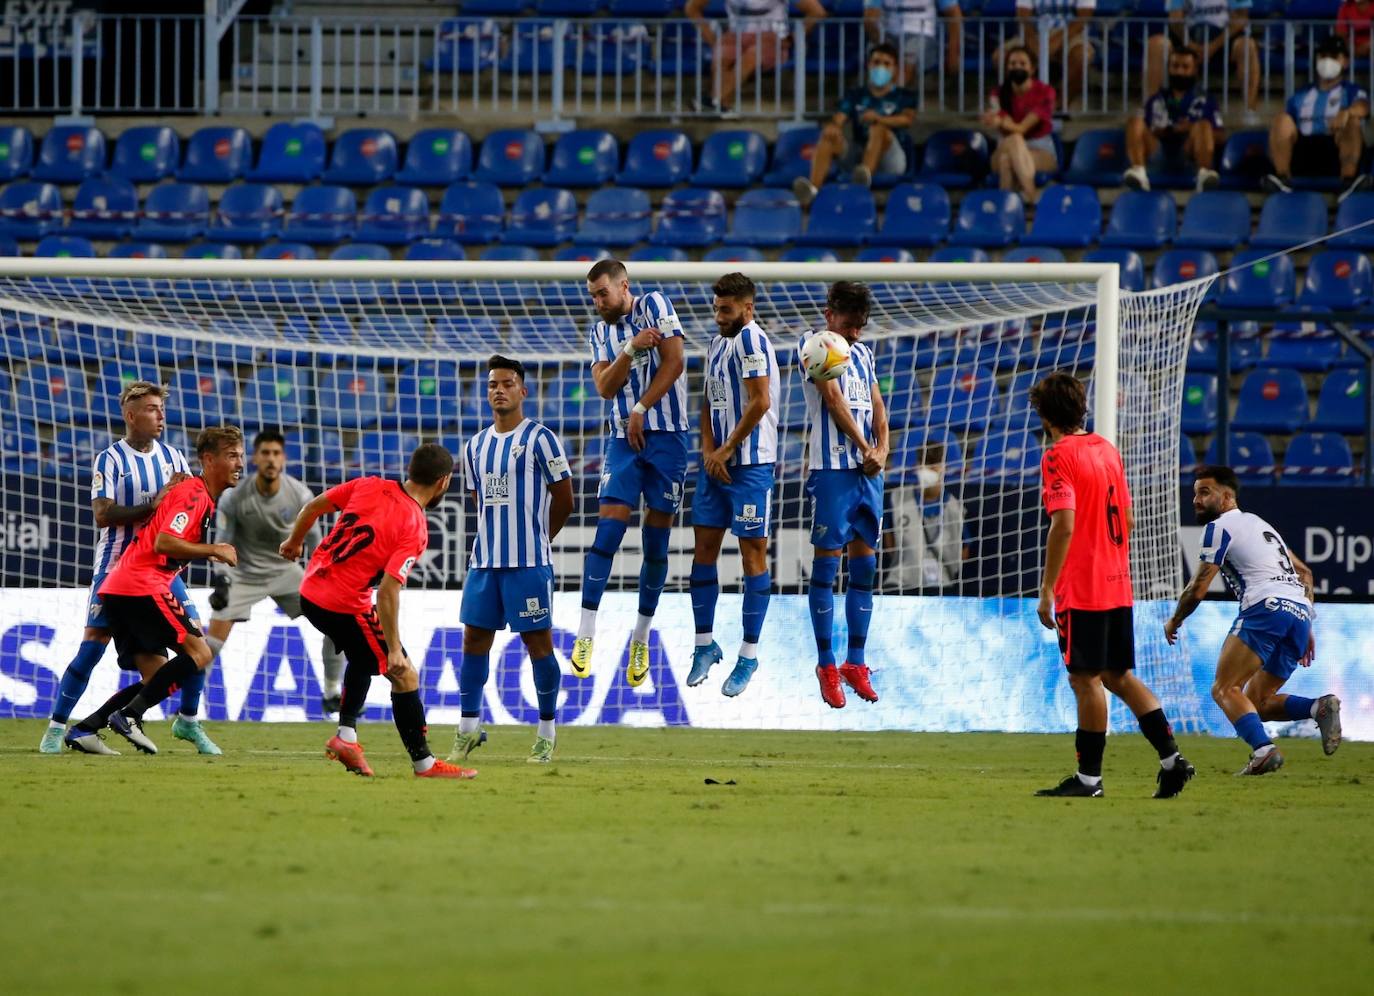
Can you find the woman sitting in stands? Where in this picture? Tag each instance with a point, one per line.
(1022, 112)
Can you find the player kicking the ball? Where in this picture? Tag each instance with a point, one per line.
(374, 544)
(1086, 593)
(847, 441)
(638, 366)
(1272, 634)
(739, 446)
(520, 482)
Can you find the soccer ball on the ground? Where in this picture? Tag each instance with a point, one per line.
(825, 355)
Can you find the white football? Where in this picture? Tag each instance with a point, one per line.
(825, 355)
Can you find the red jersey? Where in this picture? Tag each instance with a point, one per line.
(382, 531)
(1084, 473)
(1038, 98)
(185, 512)
(1355, 18)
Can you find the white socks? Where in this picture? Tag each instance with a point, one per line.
(704, 639)
(348, 735)
(469, 724)
(1090, 780)
(642, 624)
(750, 650)
(586, 629)
(1167, 763)
(545, 729)
(425, 765)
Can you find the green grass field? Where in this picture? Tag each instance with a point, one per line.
(849, 863)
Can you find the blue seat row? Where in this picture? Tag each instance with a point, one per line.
(1274, 399)
(1321, 459)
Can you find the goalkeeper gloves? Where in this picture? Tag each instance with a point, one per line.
(219, 592)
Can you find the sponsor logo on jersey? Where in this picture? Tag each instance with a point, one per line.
(496, 489)
(754, 363)
(558, 465)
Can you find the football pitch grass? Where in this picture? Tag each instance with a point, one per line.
(847, 863)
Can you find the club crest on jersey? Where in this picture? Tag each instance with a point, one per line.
(516, 450)
(179, 523)
(533, 610)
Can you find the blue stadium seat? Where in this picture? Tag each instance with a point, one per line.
(765, 216)
(321, 215)
(1141, 220)
(217, 155)
(733, 254)
(174, 212)
(465, 45)
(247, 212)
(531, 49)
(809, 254)
(511, 158)
(204, 396)
(880, 254)
(383, 454)
(513, 254)
(691, 218)
(74, 450)
(1317, 353)
(1010, 453)
(682, 51)
(658, 254)
(954, 158)
(1322, 459)
(30, 210)
(427, 395)
(353, 397)
(543, 216)
(1257, 282)
(1271, 400)
(51, 393)
(1199, 402)
(1252, 458)
(211, 250)
(117, 374)
(436, 157)
(1341, 404)
(16, 152)
(291, 153)
(1132, 267)
(963, 397)
(362, 156)
(1357, 209)
(1176, 266)
(959, 254)
(435, 249)
(8, 246)
(277, 395)
(586, 158)
(1215, 219)
(569, 401)
(841, 215)
(577, 254)
(1099, 158)
(792, 154)
(1341, 279)
(1245, 160)
(69, 246)
(70, 154)
(641, 8)
(656, 159)
(732, 159)
(471, 213)
(394, 216)
(1287, 220)
(146, 154)
(989, 219)
(1033, 254)
(615, 216)
(137, 250)
(1187, 456)
(1066, 217)
(917, 214)
(104, 208)
(287, 250)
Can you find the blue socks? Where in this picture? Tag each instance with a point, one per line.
(1297, 707)
(546, 680)
(472, 678)
(653, 573)
(191, 690)
(1251, 730)
(597, 572)
(821, 595)
(76, 678)
(757, 590)
(858, 604)
(705, 585)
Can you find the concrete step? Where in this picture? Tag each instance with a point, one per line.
(346, 46)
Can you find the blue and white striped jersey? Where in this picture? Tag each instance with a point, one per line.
(511, 473)
(830, 448)
(130, 478)
(1215, 14)
(729, 363)
(757, 16)
(1055, 14)
(909, 17)
(1254, 562)
(1312, 108)
(648, 311)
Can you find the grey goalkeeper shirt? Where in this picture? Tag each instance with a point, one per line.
(255, 524)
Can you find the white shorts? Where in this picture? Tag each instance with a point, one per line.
(284, 589)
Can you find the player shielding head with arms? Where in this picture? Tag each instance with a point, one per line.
(374, 544)
(1272, 634)
(1086, 593)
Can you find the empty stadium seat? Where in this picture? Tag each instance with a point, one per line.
(733, 254)
(436, 157)
(210, 250)
(658, 254)
(792, 154)
(1251, 457)
(277, 395)
(881, 254)
(917, 214)
(1199, 402)
(8, 246)
(691, 218)
(174, 212)
(321, 215)
(1141, 220)
(372, 251)
(1182, 265)
(427, 396)
(137, 250)
(217, 155)
(362, 156)
(352, 397)
(512, 157)
(471, 212)
(959, 254)
(247, 212)
(1099, 158)
(586, 158)
(57, 246)
(1343, 402)
(146, 154)
(435, 249)
(51, 393)
(954, 158)
(989, 219)
(656, 159)
(765, 216)
(1215, 219)
(291, 153)
(1357, 209)
(1255, 281)
(465, 45)
(394, 216)
(1338, 278)
(1303, 352)
(1289, 219)
(16, 152)
(287, 250)
(1271, 399)
(615, 216)
(70, 154)
(104, 208)
(30, 210)
(963, 397)
(1318, 458)
(1067, 217)
(204, 396)
(1132, 266)
(569, 400)
(1033, 254)
(841, 215)
(731, 159)
(1245, 160)
(383, 454)
(1187, 456)
(543, 216)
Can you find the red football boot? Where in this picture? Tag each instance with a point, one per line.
(442, 769)
(349, 755)
(856, 677)
(831, 689)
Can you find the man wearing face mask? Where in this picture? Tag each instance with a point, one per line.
(1321, 129)
(878, 111)
(1180, 124)
(929, 538)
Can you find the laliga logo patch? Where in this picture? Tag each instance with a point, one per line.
(179, 523)
(98, 481)
(405, 568)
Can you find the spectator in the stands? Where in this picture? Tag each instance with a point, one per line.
(911, 26)
(1062, 27)
(1177, 129)
(1021, 111)
(1320, 131)
(1354, 21)
(877, 110)
(758, 39)
(928, 538)
(1212, 28)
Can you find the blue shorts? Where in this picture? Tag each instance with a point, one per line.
(658, 472)
(1277, 630)
(745, 504)
(518, 597)
(95, 611)
(845, 505)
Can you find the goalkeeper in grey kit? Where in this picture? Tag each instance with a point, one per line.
(256, 518)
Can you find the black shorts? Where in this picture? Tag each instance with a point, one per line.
(358, 637)
(1316, 155)
(147, 624)
(1093, 641)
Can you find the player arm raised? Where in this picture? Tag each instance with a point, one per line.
(754, 409)
(1056, 550)
(610, 375)
(670, 366)
(291, 547)
(108, 513)
(171, 545)
(1193, 593)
